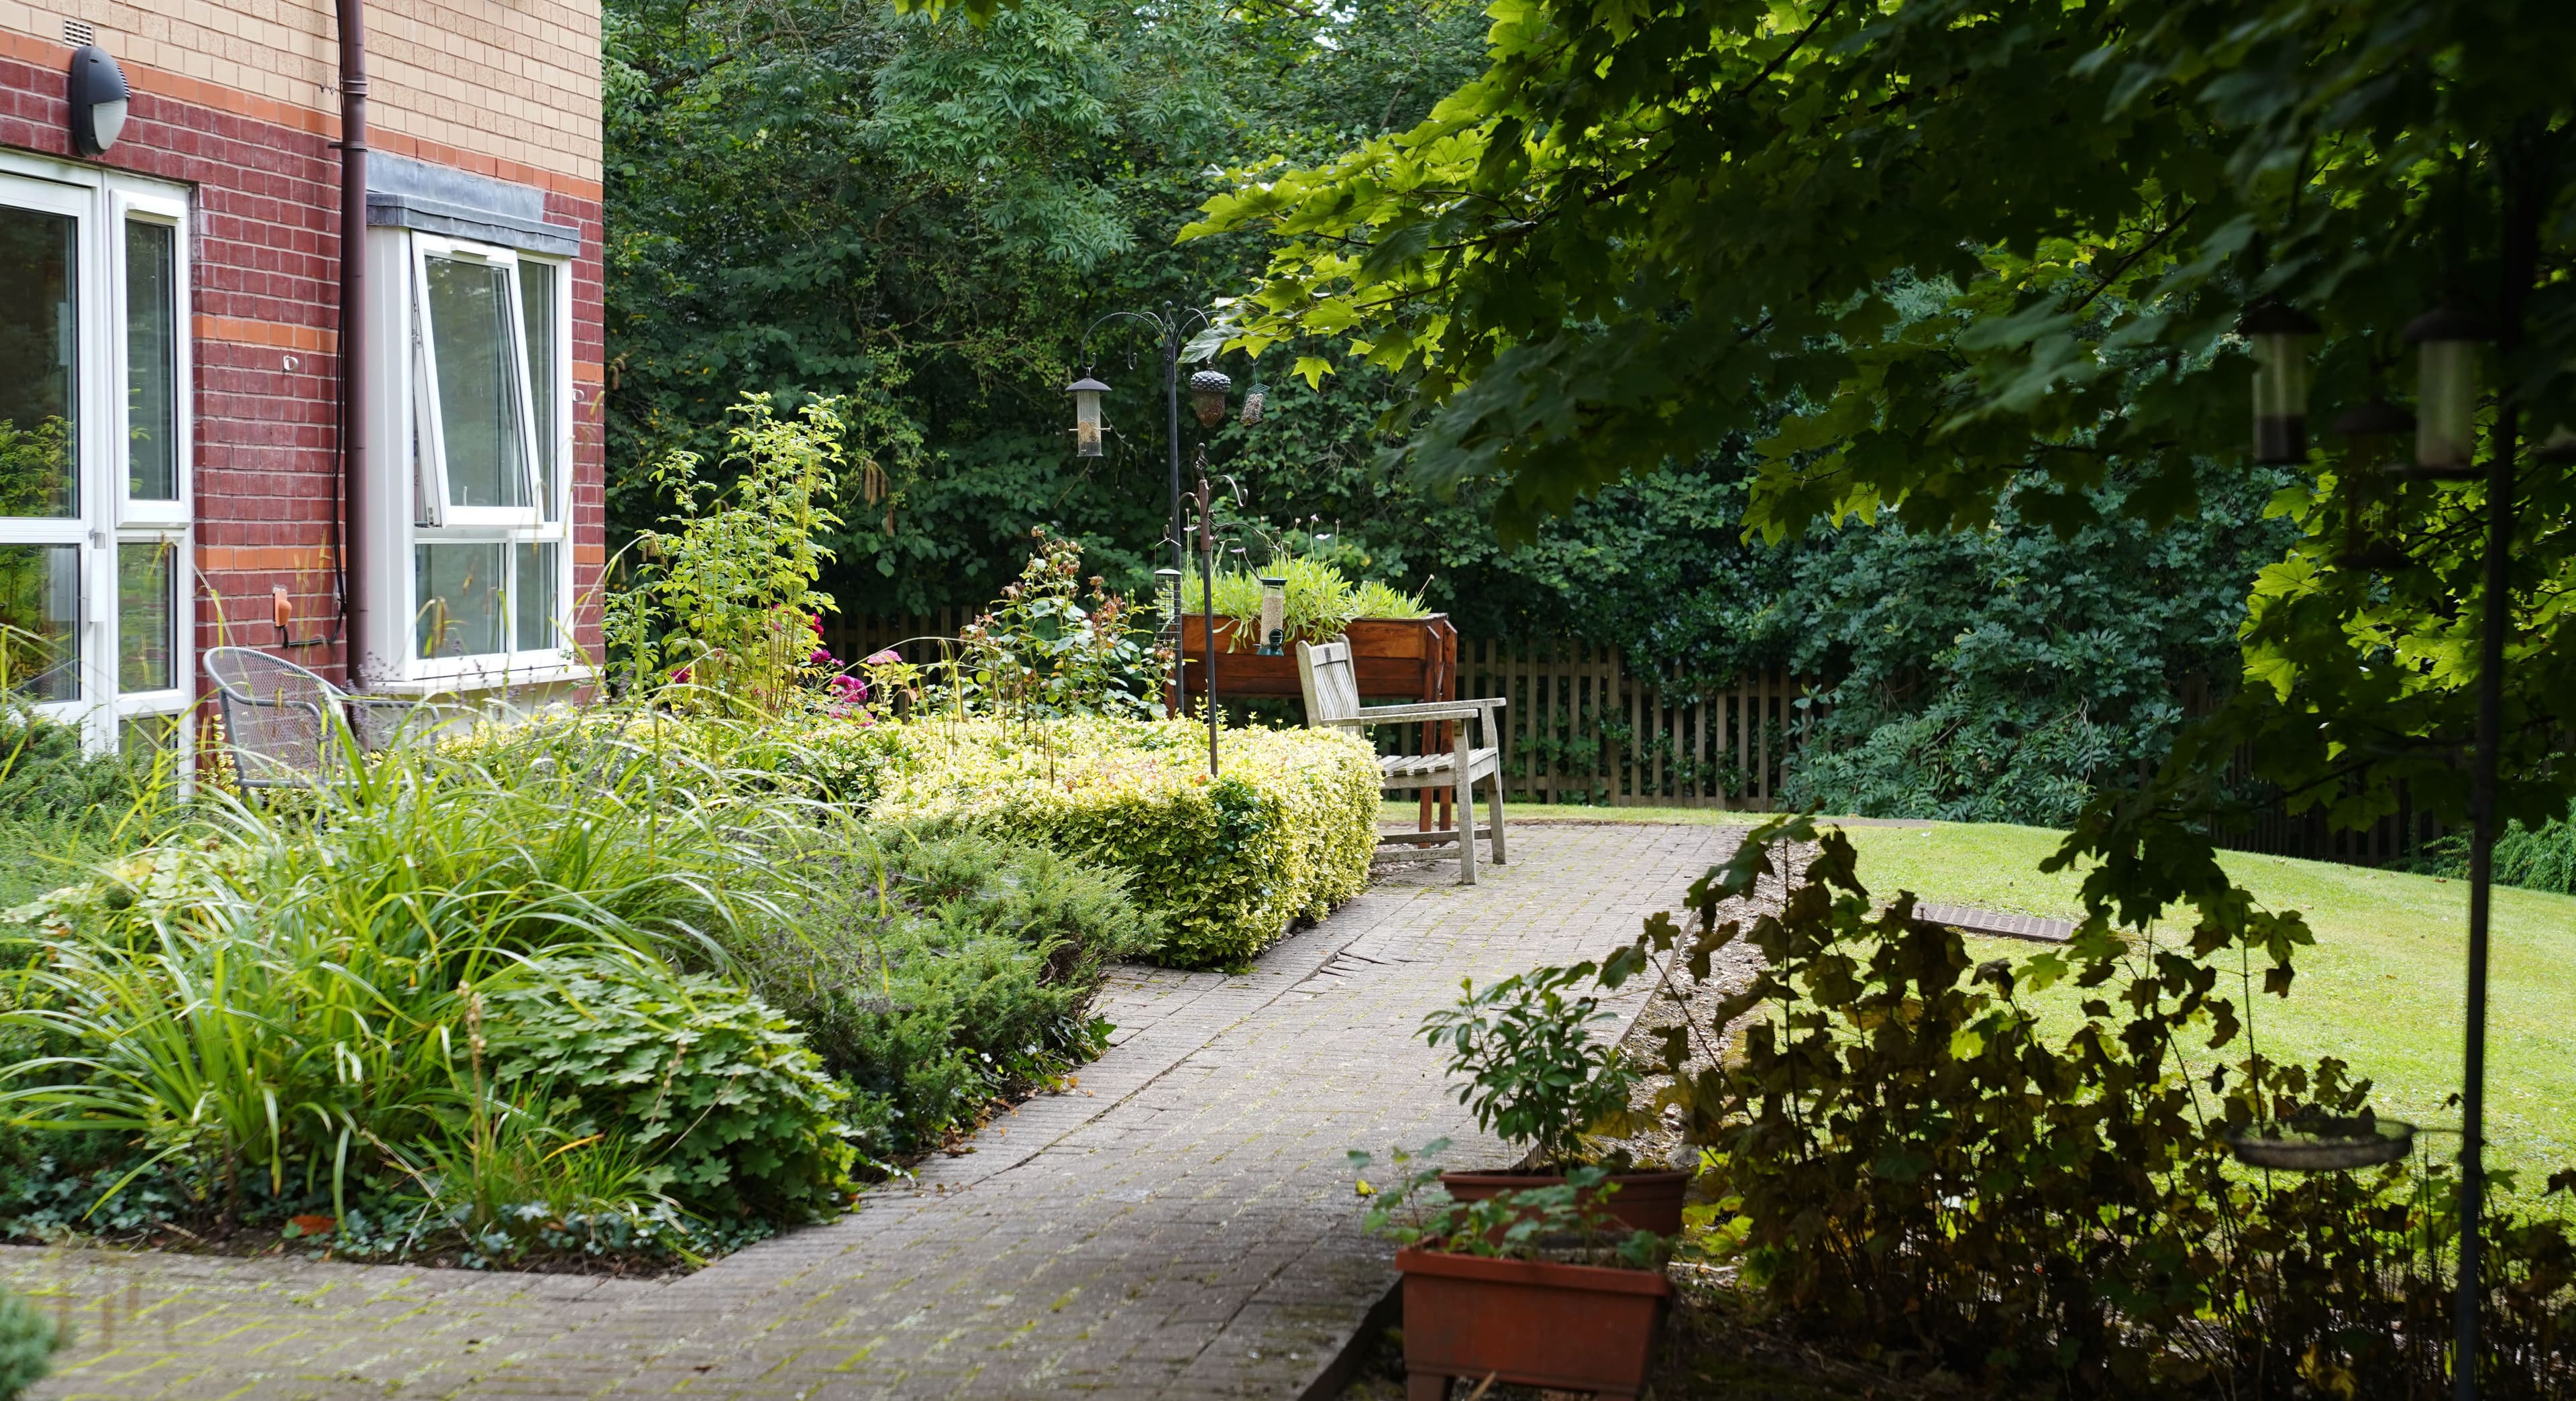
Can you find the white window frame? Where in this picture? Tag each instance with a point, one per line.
(408, 471)
(101, 201)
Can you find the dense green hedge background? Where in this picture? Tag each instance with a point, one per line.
(814, 197)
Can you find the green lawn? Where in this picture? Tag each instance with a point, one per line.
(2382, 988)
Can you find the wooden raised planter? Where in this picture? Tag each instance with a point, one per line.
(1407, 659)
(1413, 659)
(1527, 1323)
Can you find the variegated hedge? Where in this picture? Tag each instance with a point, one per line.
(1226, 863)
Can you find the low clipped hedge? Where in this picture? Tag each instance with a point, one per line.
(1224, 864)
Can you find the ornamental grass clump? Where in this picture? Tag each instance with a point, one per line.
(273, 1008)
(1321, 601)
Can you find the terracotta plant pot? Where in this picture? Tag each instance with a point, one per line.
(1645, 1201)
(1564, 1327)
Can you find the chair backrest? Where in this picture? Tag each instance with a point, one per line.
(279, 718)
(1332, 685)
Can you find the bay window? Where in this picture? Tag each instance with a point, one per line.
(94, 459)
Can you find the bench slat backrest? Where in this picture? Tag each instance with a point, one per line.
(1332, 685)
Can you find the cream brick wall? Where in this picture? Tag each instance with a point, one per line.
(513, 81)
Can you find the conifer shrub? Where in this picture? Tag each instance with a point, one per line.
(27, 1345)
(932, 972)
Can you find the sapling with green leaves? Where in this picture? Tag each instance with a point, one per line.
(723, 605)
(1567, 1222)
(1535, 1073)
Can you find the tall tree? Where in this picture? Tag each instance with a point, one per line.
(2001, 248)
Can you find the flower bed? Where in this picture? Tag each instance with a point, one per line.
(1226, 864)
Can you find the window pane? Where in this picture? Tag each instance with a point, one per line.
(39, 621)
(38, 347)
(537, 305)
(459, 588)
(479, 413)
(535, 605)
(143, 641)
(151, 362)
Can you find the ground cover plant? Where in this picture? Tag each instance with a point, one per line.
(932, 971)
(61, 807)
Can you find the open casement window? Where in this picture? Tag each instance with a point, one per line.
(475, 443)
(95, 508)
(486, 371)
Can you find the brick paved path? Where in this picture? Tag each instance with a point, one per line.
(1181, 1225)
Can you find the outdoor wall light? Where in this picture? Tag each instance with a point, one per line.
(98, 98)
(2279, 336)
(2446, 389)
(1207, 395)
(1274, 615)
(1086, 393)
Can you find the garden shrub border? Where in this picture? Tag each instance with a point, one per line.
(1227, 864)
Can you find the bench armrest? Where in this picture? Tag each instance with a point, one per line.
(1429, 710)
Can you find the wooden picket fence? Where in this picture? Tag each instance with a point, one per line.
(1584, 728)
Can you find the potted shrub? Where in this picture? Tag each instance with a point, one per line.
(1537, 1286)
(1536, 1077)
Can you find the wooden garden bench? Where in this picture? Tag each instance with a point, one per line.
(1333, 702)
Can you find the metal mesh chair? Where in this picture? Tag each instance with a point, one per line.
(289, 728)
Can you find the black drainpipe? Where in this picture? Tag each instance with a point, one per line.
(354, 593)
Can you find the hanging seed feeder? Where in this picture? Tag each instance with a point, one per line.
(1207, 396)
(2446, 342)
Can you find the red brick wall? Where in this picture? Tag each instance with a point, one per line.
(265, 298)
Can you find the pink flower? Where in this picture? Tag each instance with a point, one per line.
(888, 657)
